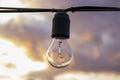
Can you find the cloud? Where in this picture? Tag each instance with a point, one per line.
(10, 66)
(86, 76)
(96, 33)
(29, 33)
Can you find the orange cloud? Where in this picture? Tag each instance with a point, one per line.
(87, 37)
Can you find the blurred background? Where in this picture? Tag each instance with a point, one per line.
(25, 37)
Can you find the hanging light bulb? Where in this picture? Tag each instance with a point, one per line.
(59, 53)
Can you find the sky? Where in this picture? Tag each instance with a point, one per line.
(25, 37)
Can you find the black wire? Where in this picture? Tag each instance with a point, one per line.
(72, 9)
(92, 8)
(22, 10)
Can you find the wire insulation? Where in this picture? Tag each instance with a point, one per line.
(72, 9)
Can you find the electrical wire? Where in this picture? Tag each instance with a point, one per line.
(72, 9)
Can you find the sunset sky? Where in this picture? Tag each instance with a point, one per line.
(25, 37)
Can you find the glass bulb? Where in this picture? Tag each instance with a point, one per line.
(59, 53)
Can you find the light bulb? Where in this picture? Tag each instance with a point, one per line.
(59, 53)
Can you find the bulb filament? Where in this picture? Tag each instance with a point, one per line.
(59, 47)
